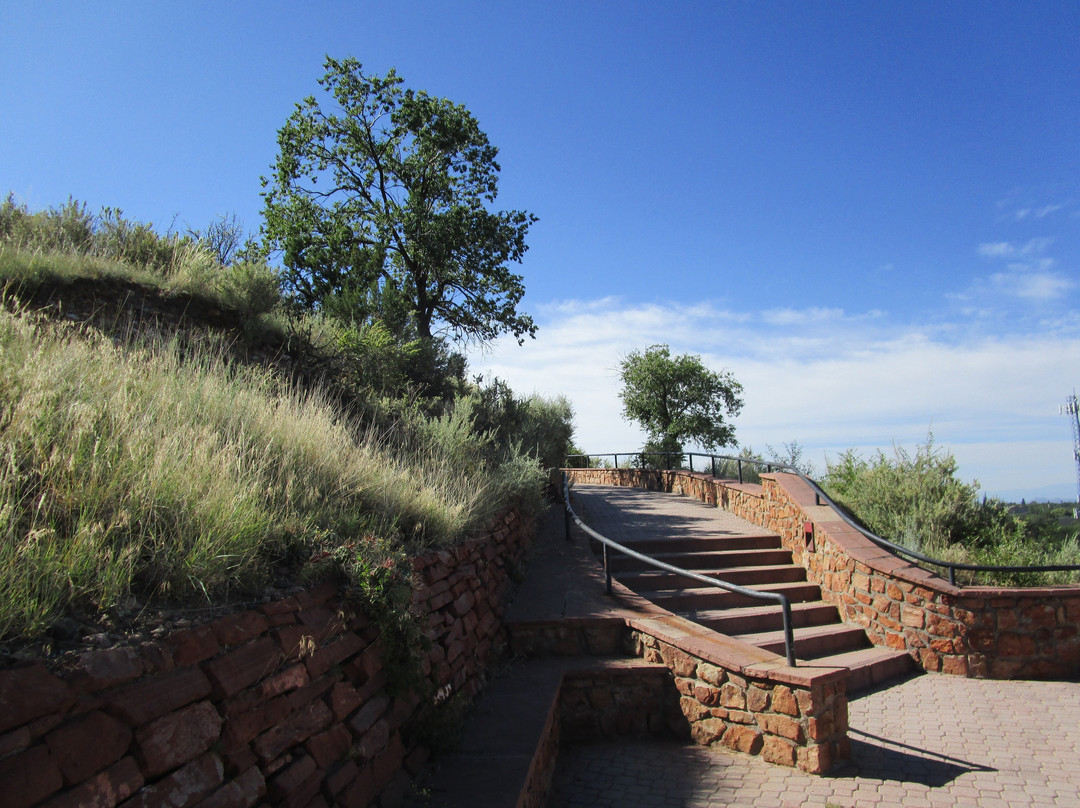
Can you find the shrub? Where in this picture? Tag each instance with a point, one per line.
(917, 501)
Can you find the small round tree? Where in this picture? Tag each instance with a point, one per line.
(677, 399)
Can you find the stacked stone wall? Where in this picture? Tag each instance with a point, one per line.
(735, 695)
(977, 631)
(288, 703)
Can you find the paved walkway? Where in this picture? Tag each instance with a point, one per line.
(932, 740)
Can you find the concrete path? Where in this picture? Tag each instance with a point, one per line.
(932, 740)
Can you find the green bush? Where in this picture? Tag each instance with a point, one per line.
(916, 500)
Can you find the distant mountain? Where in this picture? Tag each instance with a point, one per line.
(1062, 492)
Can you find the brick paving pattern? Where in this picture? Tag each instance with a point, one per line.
(933, 740)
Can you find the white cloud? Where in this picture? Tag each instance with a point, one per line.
(825, 378)
(1032, 285)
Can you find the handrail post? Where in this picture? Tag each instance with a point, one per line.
(713, 459)
(616, 461)
(789, 633)
(607, 570)
(739, 464)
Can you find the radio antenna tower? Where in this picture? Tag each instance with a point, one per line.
(1072, 409)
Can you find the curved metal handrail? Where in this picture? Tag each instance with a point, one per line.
(821, 496)
(782, 600)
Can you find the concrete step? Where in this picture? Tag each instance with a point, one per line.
(768, 617)
(811, 643)
(871, 667)
(765, 541)
(724, 559)
(706, 597)
(650, 580)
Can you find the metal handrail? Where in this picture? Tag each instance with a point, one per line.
(782, 600)
(821, 497)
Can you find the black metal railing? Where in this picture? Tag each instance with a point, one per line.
(821, 498)
(609, 544)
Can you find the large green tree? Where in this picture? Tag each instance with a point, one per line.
(379, 202)
(677, 399)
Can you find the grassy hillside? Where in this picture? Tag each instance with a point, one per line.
(141, 466)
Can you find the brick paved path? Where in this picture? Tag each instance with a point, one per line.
(932, 740)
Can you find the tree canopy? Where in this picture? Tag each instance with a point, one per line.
(379, 204)
(677, 399)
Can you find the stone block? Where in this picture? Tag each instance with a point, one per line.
(374, 740)
(329, 747)
(368, 715)
(105, 790)
(782, 725)
(85, 746)
(193, 645)
(757, 699)
(680, 662)
(778, 751)
(732, 696)
(30, 692)
(295, 642)
(29, 777)
(334, 654)
(244, 791)
(743, 739)
(693, 709)
(152, 698)
(292, 730)
(184, 787)
(242, 667)
(710, 673)
(707, 695)
(784, 701)
(343, 700)
(291, 779)
(177, 738)
(237, 629)
(244, 727)
(106, 667)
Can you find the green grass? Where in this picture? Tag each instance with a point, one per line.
(135, 469)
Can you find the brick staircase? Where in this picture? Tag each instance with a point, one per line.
(756, 561)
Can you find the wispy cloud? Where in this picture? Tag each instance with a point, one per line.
(827, 378)
(1029, 275)
(1038, 286)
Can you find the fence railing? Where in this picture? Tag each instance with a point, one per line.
(611, 545)
(821, 498)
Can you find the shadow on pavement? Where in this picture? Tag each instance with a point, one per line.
(884, 759)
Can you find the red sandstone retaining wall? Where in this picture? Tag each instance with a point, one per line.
(976, 631)
(284, 704)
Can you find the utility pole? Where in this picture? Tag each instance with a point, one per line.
(1072, 409)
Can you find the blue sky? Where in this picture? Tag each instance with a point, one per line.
(868, 212)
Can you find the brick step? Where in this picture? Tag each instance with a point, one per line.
(871, 666)
(754, 619)
(811, 643)
(649, 580)
(764, 541)
(706, 597)
(724, 559)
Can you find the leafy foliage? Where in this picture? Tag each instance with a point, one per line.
(379, 206)
(917, 501)
(677, 399)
